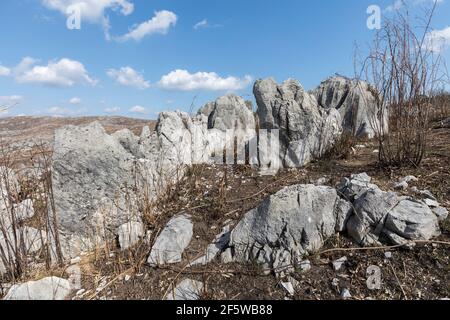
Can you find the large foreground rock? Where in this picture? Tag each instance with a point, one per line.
(356, 104)
(383, 216)
(306, 130)
(286, 226)
(51, 288)
(170, 244)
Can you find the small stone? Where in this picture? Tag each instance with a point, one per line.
(127, 278)
(304, 266)
(408, 179)
(80, 292)
(401, 185)
(337, 264)
(335, 283)
(288, 287)
(388, 255)
(75, 260)
(186, 290)
(345, 294)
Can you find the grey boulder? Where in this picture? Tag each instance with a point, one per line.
(186, 290)
(286, 226)
(172, 241)
(356, 104)
(306, 130)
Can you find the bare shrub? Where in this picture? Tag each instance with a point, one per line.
(29, 183)
(405, 74)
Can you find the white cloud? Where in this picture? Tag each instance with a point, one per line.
(160, 23)
(127, 76)
(399, 4)
(60, 111)
(183, 80)
(438, 40)
(8, 101)
(4, 71)
(62, 73)
(138, 109)
(201, 24)
(112, 110)
(75, 100)
(91, 10)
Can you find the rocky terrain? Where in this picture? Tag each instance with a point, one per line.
(228, 204)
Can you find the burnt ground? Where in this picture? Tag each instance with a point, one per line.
(216, 196)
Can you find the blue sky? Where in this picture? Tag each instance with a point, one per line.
(125, 57)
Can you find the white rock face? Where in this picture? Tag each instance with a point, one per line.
(186, 290)
(293, 222)
(355, 103)
(170, 244)
(130, 233)
(229, 112)
(306, 130)
(51, 288)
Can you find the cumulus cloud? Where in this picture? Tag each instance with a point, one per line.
(160, 23)
(91, 10)
(138, 109)
(438, 40)
(75, 100)
(127, 76)
(9, 101)
(4, 71)
(185, 81)
(62, 73)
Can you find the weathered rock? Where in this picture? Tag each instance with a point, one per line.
(355, 102)
(186, 290)
(170, 244)
(51, 288)
(345, 293)
(130, 233)
(306, 130)
(337, 264)
(351, 188)
(229, 112)
(98, 178)
(90, 169)
(286, 226)
(441, 213)
(344, 209)
(384, 215)
(288, 287)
